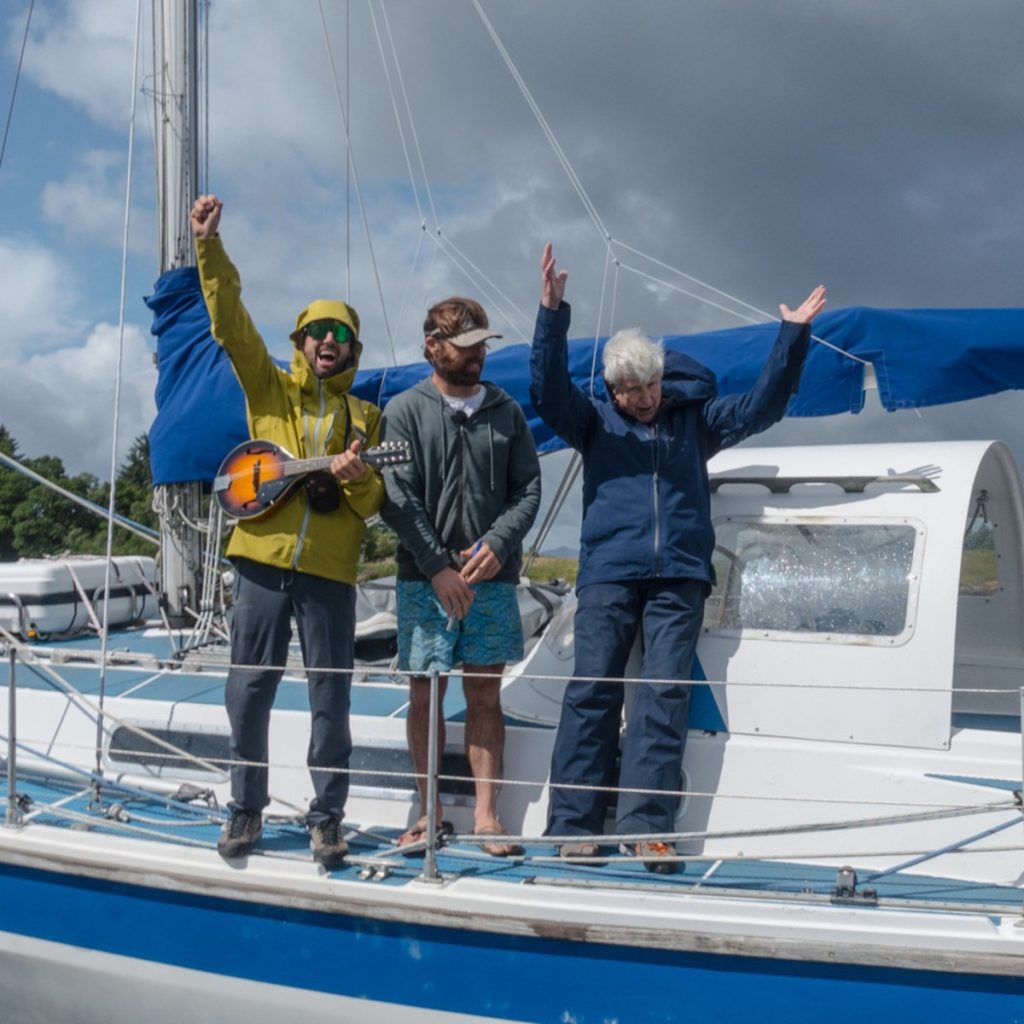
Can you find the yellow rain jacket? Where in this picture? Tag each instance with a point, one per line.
(307, 416)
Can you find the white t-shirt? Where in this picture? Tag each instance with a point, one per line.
(467, 406)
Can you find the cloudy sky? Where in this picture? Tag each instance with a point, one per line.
(760, 146)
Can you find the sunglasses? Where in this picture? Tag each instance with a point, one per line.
(319, 329)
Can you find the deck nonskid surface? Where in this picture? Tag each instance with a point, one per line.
(126, 813)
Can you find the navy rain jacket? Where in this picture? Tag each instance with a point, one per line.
(646, 499)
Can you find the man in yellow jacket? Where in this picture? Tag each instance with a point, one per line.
(300, 559)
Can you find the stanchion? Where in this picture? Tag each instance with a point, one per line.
(430, 856)
(13, 816)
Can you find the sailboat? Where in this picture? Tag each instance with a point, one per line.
(851, 821)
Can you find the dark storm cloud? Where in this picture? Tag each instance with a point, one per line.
(761, 146)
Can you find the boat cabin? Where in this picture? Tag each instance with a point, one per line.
(866, 593)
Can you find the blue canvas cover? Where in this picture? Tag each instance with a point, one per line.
(921, 357)
(200, 409)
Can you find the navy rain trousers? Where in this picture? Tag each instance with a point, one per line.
(668, 615)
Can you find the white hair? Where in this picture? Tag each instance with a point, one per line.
(631, 355)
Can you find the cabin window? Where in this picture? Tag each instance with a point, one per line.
(815, 579)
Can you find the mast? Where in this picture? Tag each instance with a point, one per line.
(176, 133)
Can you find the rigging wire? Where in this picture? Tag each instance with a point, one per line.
(348, 153)
(145, 532)
(477, 276)
(492, 289)
(17, 78)
(556, 147)
(694, 280)
(683, 291)
(742, 316)
(395, 111)
(412, 121)
(401, 314)
(204, 55)
(572, 471)
(595, 218)
(600, 313)
(616, 268)
(493, 293)
(355, 177)
(495, 296)
(117, 385)
(411, 278)
(409, 171)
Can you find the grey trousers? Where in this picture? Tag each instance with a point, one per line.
(266, 598)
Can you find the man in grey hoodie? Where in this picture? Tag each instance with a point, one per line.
(460, 508)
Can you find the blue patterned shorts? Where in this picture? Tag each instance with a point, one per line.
(490, 634)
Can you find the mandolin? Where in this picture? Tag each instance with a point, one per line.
(256, 477)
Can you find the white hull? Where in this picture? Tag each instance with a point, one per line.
(895, 753)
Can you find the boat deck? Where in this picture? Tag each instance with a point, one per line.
(142, 664)
(375, 855)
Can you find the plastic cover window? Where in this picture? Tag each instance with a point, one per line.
(812, 577)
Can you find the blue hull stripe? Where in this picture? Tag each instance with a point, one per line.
(525, 978)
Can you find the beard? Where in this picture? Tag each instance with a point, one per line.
(462, 371)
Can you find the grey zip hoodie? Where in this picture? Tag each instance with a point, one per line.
(469, 479)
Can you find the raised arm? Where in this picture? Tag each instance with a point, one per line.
(230, 322)
(733, 418)
(561, 404)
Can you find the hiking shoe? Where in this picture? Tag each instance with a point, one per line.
(240, 833)
(653, 854)
(325, 841)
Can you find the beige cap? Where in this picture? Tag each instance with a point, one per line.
(469, 338)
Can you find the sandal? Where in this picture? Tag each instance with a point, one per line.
(498, 848)
(416, 835)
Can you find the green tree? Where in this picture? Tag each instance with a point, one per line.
(379, 543)
(13, 488)
(47, 523)
(7, 443)
(36, 521)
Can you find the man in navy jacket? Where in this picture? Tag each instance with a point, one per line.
(645, 556)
